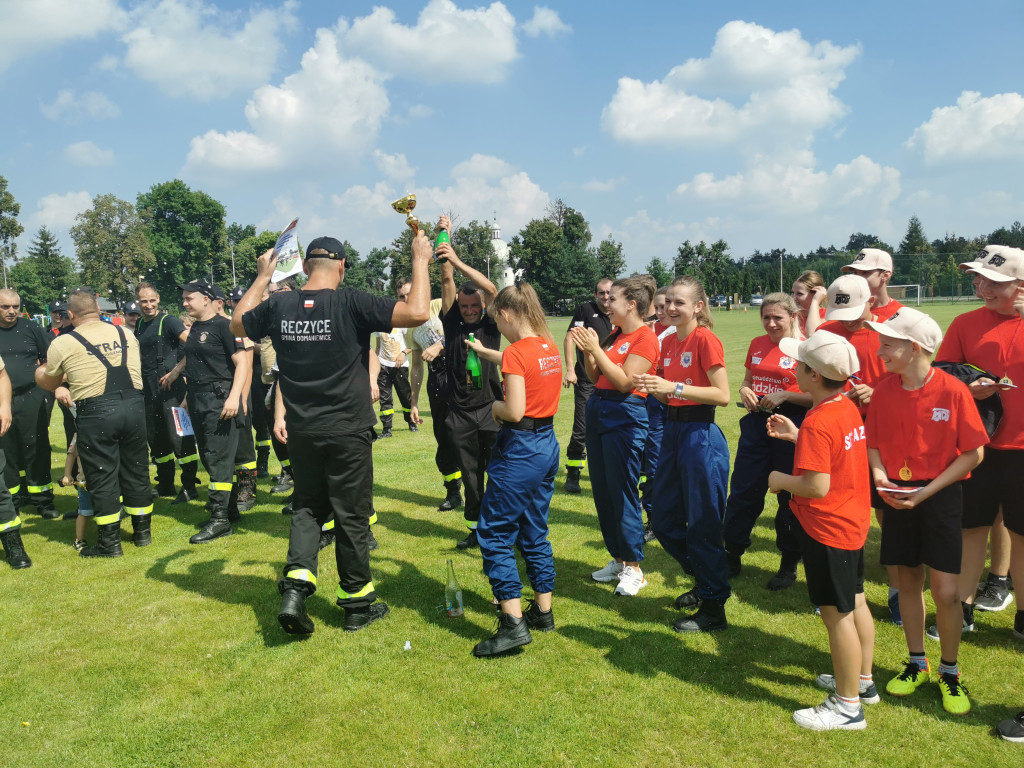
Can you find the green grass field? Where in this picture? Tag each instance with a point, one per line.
(172, 655)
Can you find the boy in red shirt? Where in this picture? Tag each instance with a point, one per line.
(831, 500)
(924, 437)
(875, 266)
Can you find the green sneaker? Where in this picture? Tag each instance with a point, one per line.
(954, 695)
(908, 681)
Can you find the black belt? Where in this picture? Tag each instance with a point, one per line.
(528, 424)
(23, 389)
(212, 386)
(612, 394)
(701, 414)
(121, 394)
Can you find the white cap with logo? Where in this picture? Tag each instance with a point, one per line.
(999, 263)
(869, 260)
(910, 324)
(846, 298)
(830, 355)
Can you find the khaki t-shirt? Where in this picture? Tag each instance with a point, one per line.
(87, 376)
(430, 332)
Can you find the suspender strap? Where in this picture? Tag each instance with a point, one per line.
(99, 355)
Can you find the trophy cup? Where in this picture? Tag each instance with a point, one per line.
(406, 205)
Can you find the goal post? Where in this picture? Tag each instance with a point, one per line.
(906, 293)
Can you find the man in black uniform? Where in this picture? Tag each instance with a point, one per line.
(217, 368)
(329, 418)
(258, 395)
(469, 410)
(132, 315)
(104, 373)
(161, 343)
(592, 314)
(23, 346)
(10, 522)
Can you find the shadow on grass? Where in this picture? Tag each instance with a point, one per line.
(207, 578)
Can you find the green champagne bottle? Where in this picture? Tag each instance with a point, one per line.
(442, 237)
(473, 378)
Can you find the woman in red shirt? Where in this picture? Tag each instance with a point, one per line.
(521, 472)
(810, 296)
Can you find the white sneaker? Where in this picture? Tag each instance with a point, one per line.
(631, 581)
(827, 716)
(611, 572)
(868, 695)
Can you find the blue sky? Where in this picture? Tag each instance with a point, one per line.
(765, 124)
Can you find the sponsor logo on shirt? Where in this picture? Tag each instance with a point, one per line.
(624, 348)
(202, 337)
(579, 323)
(940, 414)
(787, 363)
(755, 360)
(667, 363)
(687, 359)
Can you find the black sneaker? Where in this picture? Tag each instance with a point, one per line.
(541, 621)
(784, 579)
(710, 617)
(283, 483)
(287, 509)
(1012, 729)
(357, 618)
(993, 595)
(687, 600)
(511, 633)
(469, 542)
(386, 433)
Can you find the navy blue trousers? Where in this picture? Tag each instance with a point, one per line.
(652, 447)
(689, 502)
(616, 431)
(757, 455)
(514, 510)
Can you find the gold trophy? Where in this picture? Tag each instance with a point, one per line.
(406, 205)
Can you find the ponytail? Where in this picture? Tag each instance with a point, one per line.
(697, 293)
(521, 300)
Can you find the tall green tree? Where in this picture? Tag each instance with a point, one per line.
(187, 235)
(56, 271)
(10, 229)
(1012, 236)
(610, 258)
(24, 278)
(916, 261)
(709, 263)
(574, 226)
(660, 271)
(113, 249)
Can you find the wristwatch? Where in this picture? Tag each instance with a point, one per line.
(680, 386)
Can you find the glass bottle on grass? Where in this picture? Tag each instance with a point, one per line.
(452, 594)
(474, 380)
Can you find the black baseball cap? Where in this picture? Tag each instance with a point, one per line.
(204, 287)
(236, 293)
(326, 248)
(132, 308)
(218, 293)
(57, 307)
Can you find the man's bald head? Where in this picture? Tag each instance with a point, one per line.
(10, 307)
(82, 306)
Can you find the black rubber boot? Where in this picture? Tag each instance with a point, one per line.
(213, 528)
(453, 499)
(357, 618)
(165, 479)
(536, 619)
(512, 633)
(108, 542)
(246, 489)
(14, 550)
(262, 461)
(786, 575)
(142, 535)
(710, 616)
(572, 480)
(292, 615)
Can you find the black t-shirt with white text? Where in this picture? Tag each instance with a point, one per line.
(322, 340)
(159, 344)
(456, 332)
(588, 315)
(208, 350)
(23, 346)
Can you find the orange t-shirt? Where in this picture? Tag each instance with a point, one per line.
(770, 370)
(924, 429)
(832, 441)
(994, 343)
(537, 360)
(688, 360)
(866, 342)
(640, 342)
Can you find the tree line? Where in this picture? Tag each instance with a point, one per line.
(172, 234)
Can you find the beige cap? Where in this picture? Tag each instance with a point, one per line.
(846, 298)
(869, 260)
(911, 325)
(830, 355)
(999, 263)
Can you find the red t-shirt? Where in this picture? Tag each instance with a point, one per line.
(688, 360)
(831, 440)
(924, 429)
(994, 343)
(640, 342)
(802, 319)
(881, 314)
(866, 342)
(537, 360)
(770, 370)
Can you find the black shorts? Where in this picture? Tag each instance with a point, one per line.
(997, 482)
(834, 576)
(929, 534)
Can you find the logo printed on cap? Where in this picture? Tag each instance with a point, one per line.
(842, 298)
(861, 257)
(997, 261)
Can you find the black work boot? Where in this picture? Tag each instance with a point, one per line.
(326, 539)
(710, 616)
(572, 480)
(284, 483)
(373, 541)
(165, 479)
(733, 557)
(213, 528)
(14, 550)
(292, 615)
(233, 514)
(108, 542)
(688, 599)
(142, 535)
(262, 461)
(786, 575)
(189, 481)
(246, 489)
(542, 621)
(512, 633)
(453, 499)
(357, 618)
(469, 542)
(385, 426)
(46, 509)
(288, 508)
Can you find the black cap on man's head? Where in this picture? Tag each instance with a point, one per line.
(204, 287)
(236, 293)
(57, 307)
(325, 248)
(132, 308)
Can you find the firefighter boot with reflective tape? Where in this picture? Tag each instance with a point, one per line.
(14, 550)
(572, 480)
(142, 535)
(453, 498)
(293, 617)
(246, 489)
(213, 528)
(262, 461)
(108, 542)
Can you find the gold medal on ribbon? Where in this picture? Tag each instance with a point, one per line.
(905, 473)
(1006, 382)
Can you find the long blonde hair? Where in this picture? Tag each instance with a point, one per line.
(521, 300)
(697, 292)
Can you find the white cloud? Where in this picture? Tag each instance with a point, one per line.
(579, 151)
(545, 22)
(88, 154)
(788, 85)
(57, 212)
(420, 111)
(31, 26)
(976, 128)
(597, 185)
(393, 166)
(73, 109)
(191, 49)
(328, 111)
(446, 45)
